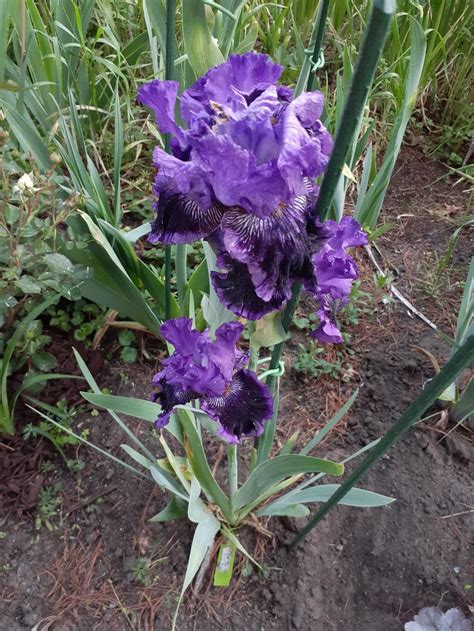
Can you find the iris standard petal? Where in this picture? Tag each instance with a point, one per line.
(233, 85)
(235, 176)
(198, 363)
(304, 141)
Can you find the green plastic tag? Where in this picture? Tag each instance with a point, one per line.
(225, 564)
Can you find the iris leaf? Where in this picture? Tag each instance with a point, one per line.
(175, 509)
(321, 493)
(199, 464)
(272, 472)
(138, 408)
(203, 539)
(201, 47)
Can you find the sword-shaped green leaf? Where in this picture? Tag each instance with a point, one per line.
(201, 47)
(271, 472)
(321, 493)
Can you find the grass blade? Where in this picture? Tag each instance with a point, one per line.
(118, 152)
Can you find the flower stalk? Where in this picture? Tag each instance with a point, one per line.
(181, 271)
(169, 72)
(232, 470)
(263, 443)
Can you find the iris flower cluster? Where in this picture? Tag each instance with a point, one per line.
(241, 174)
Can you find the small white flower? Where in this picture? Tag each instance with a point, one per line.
(25, 185)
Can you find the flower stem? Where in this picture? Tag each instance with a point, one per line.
(232, 470)
(167, 282)
(263, 443)
(169, 71)
(254, 350)
(181, 278)
(286, 320)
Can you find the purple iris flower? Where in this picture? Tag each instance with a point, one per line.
(214, 372)
(335, 271)
(241, 175)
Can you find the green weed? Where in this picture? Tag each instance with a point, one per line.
(48, 505)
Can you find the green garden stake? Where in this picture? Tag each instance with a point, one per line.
(374, 39)
(225, 564)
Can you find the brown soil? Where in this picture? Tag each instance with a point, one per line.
(359, 570)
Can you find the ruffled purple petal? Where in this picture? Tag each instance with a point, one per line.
(274, 248)
(189, 367)
(223, 351)
(327, 331)
(180, 333)
(341, 235)
(236, 292)
(235, 176)
(169, 396)
(195, 103)
(161, 97)
(181, 176)
(199, 364)
(335, 271)
(179, 219)
(243, 409)
(253, 129)
(285, 94)
(233, 85)
(305, 142)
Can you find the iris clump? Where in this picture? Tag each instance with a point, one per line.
(214, 372)
(241, 174)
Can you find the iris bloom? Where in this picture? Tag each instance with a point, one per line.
(335, 271)
(241, 175)
(214, 372)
